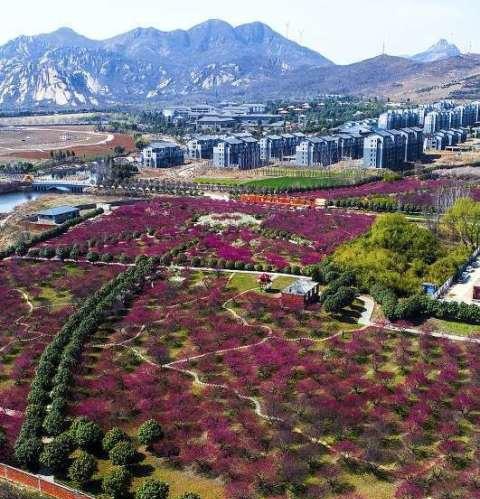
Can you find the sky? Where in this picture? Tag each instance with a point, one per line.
(345, 31)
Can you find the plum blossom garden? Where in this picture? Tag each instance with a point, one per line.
(274, 402)
(408, 192)
(36, 299)
(258, 400)
(226, 234)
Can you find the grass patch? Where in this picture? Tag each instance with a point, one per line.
(282, 282)
(9, 490)
(57, 299)
(456, 328)
(297, 182)
(220, 181)
(180, 481)
(242, 282)
(369, 486)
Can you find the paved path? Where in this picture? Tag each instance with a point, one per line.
(366, 317)
(418, 332)
(463, 291)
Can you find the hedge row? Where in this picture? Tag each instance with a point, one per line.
(380, 206)
(419, 306)
(47, 400)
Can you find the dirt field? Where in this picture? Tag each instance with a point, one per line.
(52, 119)
(456, 158)
(36, 142)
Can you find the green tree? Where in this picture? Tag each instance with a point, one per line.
(82, 469)
(462, 221)
(190, 495)
(55, 455)
(150, 432)
(152, 489)
(113, 437)
(123, 453)
(117, 483)
(27, 452)
(86, 434)
(343, 297)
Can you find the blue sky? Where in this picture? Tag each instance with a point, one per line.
(342, 30)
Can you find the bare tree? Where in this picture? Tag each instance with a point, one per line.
(443, 199)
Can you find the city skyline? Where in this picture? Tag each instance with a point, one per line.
(415, 28)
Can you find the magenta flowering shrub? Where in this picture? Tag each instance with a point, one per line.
(381, 188)
(325, 229)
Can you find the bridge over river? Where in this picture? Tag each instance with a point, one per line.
(59, 185)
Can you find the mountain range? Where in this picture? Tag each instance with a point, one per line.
(212, 60)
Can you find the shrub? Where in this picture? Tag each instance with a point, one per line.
(55, 455)
(82, 469)
(86, 434)
(92, 256)
(123, 453)
(54, 422)
(117, 483)
(150, 432)
(27, 452)
(152, 489)
(106, 257)
(112, 438)
(190, 495)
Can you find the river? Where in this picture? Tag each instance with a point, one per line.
(10, 200)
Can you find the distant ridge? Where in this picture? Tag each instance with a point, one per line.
(441, 50)
(212, 60)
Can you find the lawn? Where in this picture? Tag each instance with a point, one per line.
(220, 181)
(296, 182)
(240, 282)
(455, 328)
(180, 482)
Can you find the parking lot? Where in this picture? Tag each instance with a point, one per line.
(462, 291)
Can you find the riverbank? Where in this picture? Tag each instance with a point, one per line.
(15, 226)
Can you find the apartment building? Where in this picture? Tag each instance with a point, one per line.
(413, 143)
(271, 148)
(241, 152)
(379, 151)
(201, 147)
(162, 155)
(394, 119)
(318, 151)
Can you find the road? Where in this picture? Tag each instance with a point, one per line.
(463, 291)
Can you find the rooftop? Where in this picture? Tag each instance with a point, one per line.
(161, 144)
(300, 287)
(59, 210)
